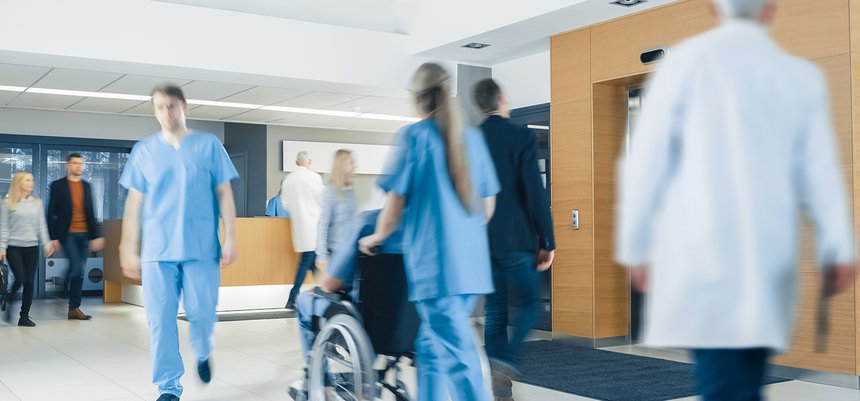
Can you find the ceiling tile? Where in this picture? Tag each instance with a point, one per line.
(140, 85)
(20, 75)
(262, 116)
(214, 112)
(264, 95)
(375, 125)
(318, 100)
(60, 78)
(373, 104)
(143, 109)
(6, 97)
(105, 105)
(205, 90)
(38, 100)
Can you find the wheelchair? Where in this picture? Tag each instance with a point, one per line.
(362, 345)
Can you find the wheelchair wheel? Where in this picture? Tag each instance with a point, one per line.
(342, 362)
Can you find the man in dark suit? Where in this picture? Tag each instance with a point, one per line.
(520, 232)
(73, 227)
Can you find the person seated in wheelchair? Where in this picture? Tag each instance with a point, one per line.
(337, 290)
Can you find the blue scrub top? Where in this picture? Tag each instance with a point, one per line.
(344, 260)
(179, 219)
(447, 252)
(275, 208)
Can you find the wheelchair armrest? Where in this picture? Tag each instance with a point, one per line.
(338, 296)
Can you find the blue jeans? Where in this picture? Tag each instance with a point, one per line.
(308, 306)
(515, 278)
(305, 263)
(76, 247)
(730, 374)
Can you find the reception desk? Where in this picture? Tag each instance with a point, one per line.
(261, 277)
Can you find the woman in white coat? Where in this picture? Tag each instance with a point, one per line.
(734, 139)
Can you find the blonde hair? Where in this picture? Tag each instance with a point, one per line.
(431, 87)
(338, 177)
(14, 195)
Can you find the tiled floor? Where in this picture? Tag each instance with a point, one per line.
(107, 359)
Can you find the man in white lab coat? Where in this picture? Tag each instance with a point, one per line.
(733, 141)
(303, 189)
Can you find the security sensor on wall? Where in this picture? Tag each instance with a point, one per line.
(653, 55)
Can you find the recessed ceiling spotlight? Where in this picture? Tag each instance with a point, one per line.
(628, 3)
(476, 45)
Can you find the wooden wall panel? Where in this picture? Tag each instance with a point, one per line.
(570, 66)
(611, 303)
(854, 13)
(812, 29)
(616, 45)
(841, 345)
(572, 272)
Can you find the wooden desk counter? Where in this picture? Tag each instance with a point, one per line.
(264, 246)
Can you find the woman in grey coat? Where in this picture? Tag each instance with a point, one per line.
(22, 231)
(338, 205)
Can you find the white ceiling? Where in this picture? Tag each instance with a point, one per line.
(377, 15)
(93, 81)
(338, 55)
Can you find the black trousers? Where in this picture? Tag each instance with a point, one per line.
(23, 261)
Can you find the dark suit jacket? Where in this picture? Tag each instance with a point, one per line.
(522, 221)
(60, 210)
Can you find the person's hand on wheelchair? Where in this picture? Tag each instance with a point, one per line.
(369, 245)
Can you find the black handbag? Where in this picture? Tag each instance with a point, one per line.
(4, 285)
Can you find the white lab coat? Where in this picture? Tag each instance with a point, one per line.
(302, 190)
(734, 139)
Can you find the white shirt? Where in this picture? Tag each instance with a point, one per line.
(734, 139)
(302, 190)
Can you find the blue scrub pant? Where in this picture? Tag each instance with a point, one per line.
(730, 374)
(446, 351)
(163, 283)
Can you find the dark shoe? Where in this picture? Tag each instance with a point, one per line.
(25, 321)
(298, 390)
(77, 314)
(7, 314)
(290, 306)
(204, 370)
(167, 397)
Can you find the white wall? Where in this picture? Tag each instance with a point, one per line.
(364, 184)
(88, 125)
(526, 80)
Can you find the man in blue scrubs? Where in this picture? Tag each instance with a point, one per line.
(178, 184)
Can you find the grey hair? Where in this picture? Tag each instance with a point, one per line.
(741, 8)
(303, 157)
